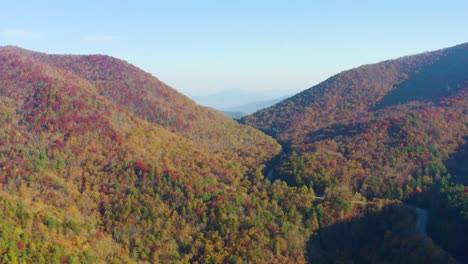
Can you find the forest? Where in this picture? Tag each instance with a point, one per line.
(100, 162)
(392, 130)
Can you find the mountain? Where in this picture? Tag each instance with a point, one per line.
(254, 106)
(232, 99)
(395, 129)
(150, 99)
(101, 162)
(234, 115)
(240, 111)
(386, 120)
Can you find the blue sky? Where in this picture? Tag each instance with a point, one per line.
(272, 47)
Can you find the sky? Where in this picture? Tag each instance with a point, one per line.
(270, 47)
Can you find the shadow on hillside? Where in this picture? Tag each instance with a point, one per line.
(445, 226)
(457, 164)
(439, 80)
(336, 130)
(382, 236)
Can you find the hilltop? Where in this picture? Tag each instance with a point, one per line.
(376, 125)
(101, 162)
(397, 129)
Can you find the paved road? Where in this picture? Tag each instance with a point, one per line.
(421, 221)
(422, 214)
(270, 174)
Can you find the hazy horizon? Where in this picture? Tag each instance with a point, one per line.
(204, 47)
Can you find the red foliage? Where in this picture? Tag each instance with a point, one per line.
(20, 245)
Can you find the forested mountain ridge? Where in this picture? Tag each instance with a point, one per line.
(84, 179)
(102, 163)
(377, 123)
(397, 129)
(150, 99)
(358, 93)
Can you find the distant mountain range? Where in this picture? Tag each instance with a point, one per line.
(240, 111)
(255, 106)
(232, 99)
(234, 115)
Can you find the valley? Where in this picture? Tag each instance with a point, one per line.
(101, 162)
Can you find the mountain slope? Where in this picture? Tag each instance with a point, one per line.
(87, 176)
(357, 93)
(394, 130)
(84, 179)
(148, 98)
(374, 126)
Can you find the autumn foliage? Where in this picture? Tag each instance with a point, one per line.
(102, 162)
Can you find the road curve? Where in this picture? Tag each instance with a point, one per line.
(421, 214)
(421, 221)
(269, 175)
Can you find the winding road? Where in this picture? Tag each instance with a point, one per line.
(421, 222)
(421, 214)
(269, 175)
